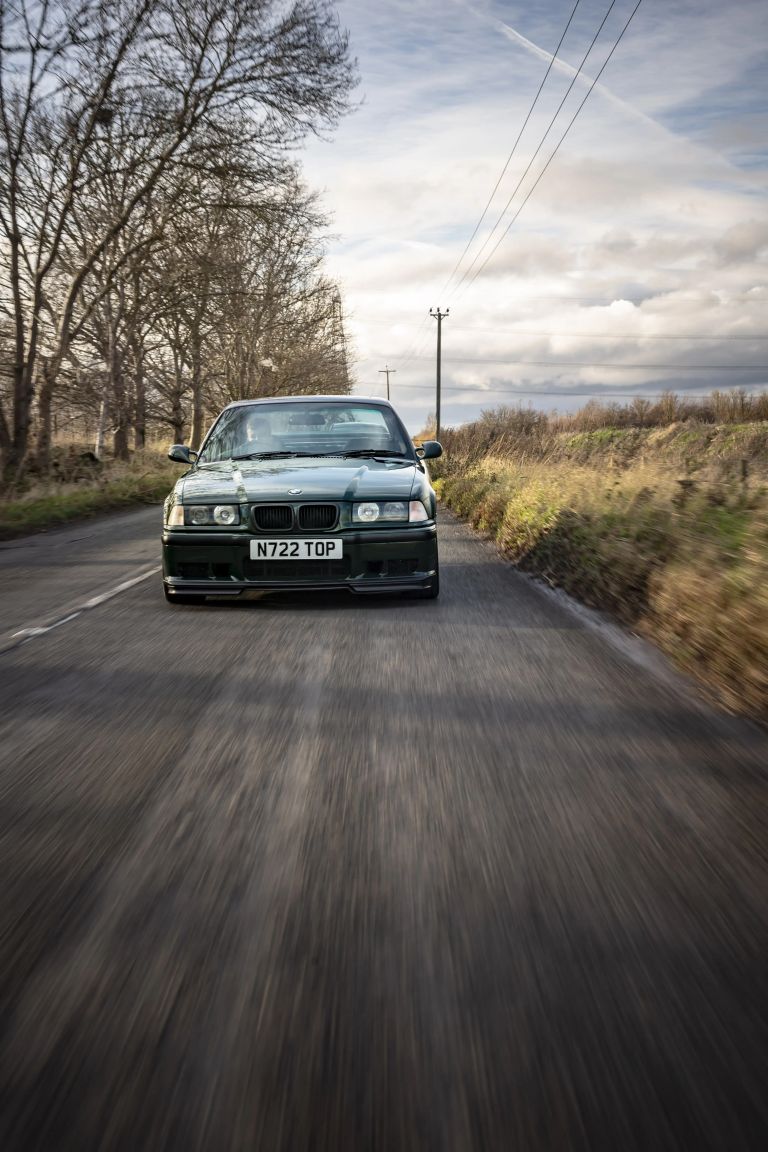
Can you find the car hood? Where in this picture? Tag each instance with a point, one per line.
(245, 481)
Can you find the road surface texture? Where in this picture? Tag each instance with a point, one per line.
(331, 873)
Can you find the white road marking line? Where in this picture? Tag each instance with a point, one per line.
(96, 600)
(30, 633)
(24, 635)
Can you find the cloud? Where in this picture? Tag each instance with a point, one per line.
(745, 241)
(656, 198)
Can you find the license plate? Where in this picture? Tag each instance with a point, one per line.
(296, 550)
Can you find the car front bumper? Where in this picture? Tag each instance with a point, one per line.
(374, 560)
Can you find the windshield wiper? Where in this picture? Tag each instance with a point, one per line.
(269, 455)
(362, 452)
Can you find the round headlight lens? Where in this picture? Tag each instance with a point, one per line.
(367, 512)
(225, 514)
(198, 515)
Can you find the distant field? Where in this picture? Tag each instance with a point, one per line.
(665, 528)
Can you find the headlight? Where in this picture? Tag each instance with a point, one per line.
(201, 515)
(394, 510)
(366, 513)
(226, 514)
(388, 510)
(391, 511)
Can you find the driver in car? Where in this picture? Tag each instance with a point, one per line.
(256, 436)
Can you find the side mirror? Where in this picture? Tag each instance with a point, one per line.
(429, 450)
(181, 454)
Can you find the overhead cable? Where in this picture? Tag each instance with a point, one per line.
(598, 364)
(554, 153)
(550, 126)
(513, 390)
(514, 149)
(628, 336)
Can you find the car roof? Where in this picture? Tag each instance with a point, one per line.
(333, 399)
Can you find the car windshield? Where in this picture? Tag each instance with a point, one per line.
(306, 428)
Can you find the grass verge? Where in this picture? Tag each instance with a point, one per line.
(681, 561)
(146, 480)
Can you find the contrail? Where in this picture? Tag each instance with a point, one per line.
(513, 34)
(563, 66)
(517, 38)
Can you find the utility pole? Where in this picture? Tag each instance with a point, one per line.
(387, 370)
(439, 316)
(340, 340)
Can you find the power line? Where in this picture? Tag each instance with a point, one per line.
(607, 335)
(412, 356)
(550, 126)
(598, 364)
(513, 390)
(557, 148)
(603, 301)
(514, 148)
(416, 345)
(414, 353)
(594, 335)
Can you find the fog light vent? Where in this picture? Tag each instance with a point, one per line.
(402, 567)
(191, 571)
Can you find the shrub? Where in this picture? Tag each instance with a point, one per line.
(147, 480)
(687, 565)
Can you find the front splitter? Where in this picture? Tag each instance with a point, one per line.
(181, 588)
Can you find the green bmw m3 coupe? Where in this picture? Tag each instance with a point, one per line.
(302, 492)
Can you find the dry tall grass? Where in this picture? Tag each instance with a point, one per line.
(76, 488)
(665, 528)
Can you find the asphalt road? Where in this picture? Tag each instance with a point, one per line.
(330, 873)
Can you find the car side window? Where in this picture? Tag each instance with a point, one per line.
(224, 439)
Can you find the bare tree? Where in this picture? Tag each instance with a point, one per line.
(282, 330)
(178, 77)
(223, 300)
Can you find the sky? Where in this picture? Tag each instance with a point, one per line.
(637, 259)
